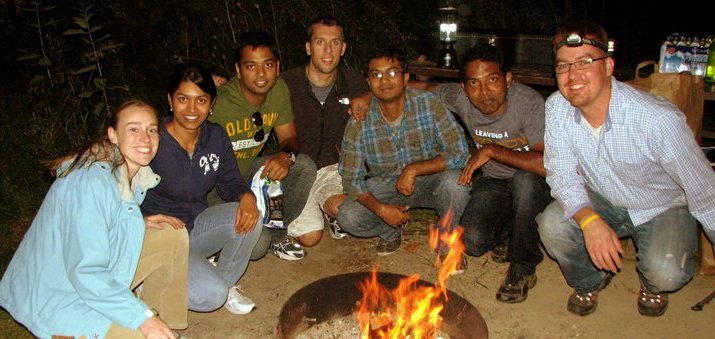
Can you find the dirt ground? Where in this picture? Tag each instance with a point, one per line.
(271, 281)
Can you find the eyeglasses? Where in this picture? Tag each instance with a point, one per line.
(579, 65)
(257, 119)
(391, 74)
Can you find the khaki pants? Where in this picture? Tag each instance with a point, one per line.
(163, 270)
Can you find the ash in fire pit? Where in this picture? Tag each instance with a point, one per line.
(336, 297)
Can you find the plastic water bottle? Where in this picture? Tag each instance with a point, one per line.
(663, 49)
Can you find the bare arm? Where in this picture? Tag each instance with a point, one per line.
(393, 215)
(531, 161)
(277, 167)
(406, 182)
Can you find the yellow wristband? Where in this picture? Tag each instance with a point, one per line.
(588, 220)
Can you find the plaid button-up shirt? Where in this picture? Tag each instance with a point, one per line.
(373, 148)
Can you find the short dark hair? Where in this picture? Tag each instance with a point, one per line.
(325, 20)
(584, 29)
(390, 52)
(483, 52)
(254, 39)
(194, 73)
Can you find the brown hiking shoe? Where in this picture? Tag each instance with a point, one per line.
(585, 303)
(515, 287)
(651, 304)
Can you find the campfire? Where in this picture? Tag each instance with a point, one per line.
(411, 310)
(386, 305)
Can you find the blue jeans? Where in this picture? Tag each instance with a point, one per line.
(507, 208)
(296, 187)
(666, 245)
(439, 191)
(213, 232)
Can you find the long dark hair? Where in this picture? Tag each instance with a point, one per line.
(194, 73)
(100, 149)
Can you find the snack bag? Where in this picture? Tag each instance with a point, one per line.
(269, 198)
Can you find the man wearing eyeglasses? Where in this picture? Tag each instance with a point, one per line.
(505, 120)
(407, 152)
(620, 163)
(320, 92)
(251, 105)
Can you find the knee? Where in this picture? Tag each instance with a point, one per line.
(449, 183)
(552, 225)
(310, 239)
(348, 214)
(665, 273)
(475, 243)
(527, 187)
(209, 298)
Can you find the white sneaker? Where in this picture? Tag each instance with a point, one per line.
(288, 249)
(237, 303)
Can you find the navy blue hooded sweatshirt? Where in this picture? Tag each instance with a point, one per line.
(187, 180)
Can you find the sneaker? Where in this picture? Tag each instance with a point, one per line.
(499, 252)
(214, 260)
(237, 303)
(651, 304)
(334, 228)
(585, 303)
(288, 249)
(515, 287)
(388, 247)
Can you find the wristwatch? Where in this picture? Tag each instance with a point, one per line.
(291, 157)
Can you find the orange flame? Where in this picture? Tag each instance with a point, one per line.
(410, 309)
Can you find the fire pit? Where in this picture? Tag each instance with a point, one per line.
(336, 296)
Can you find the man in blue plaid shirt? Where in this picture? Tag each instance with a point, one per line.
(407, 152)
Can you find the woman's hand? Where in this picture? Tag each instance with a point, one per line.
(158, 220)
(247, 214)
(155, 328)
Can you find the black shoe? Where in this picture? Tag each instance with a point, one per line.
(499, 252)
(388, 247)
(515, 287)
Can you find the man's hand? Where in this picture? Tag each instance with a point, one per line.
(277, 167)
(155, 328)
(247, 214)
(156, 221)
(406, 182)
(393, 215)
(603, 245)
(359, 106)
(475, 162)
(218, 80)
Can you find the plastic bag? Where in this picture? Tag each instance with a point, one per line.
(269, 198)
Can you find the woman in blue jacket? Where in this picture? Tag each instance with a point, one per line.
(86, 249)
(194, 157)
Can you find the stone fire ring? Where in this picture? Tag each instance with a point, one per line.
(336, 296)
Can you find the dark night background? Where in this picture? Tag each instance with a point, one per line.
(65, 64)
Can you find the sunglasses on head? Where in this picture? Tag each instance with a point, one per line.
(257, 119)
